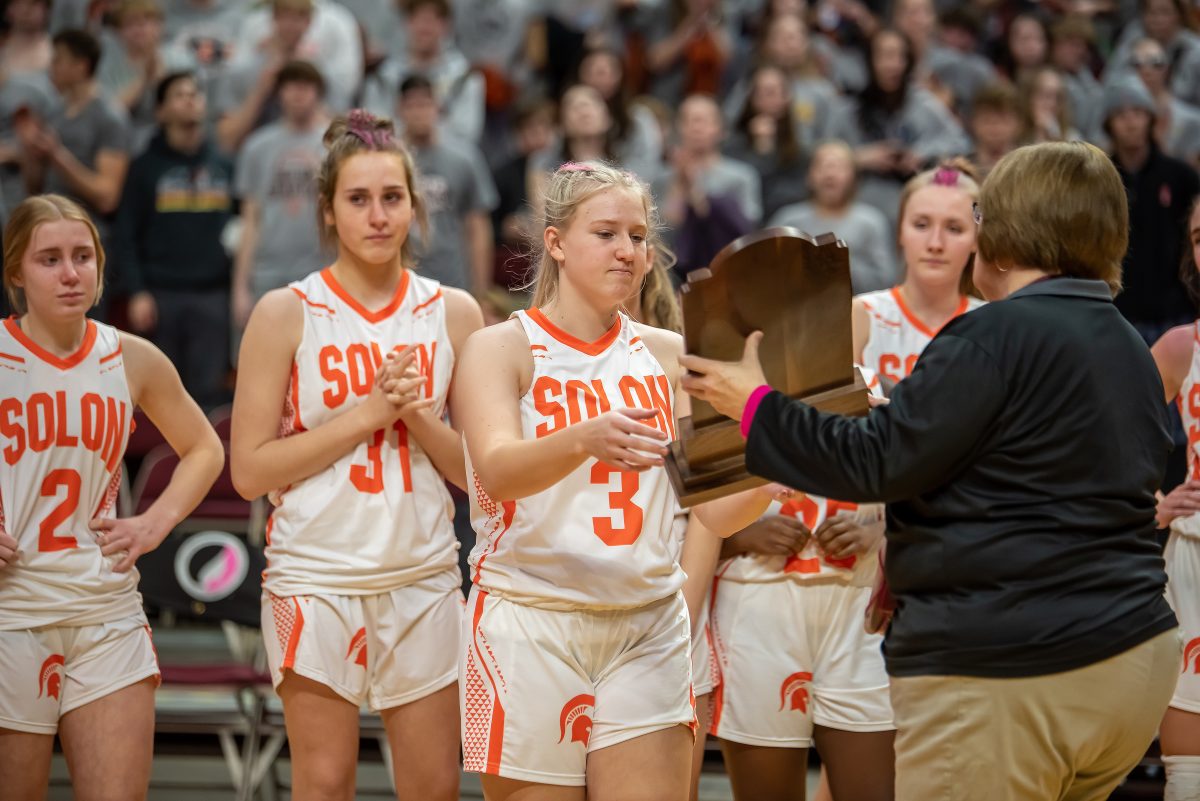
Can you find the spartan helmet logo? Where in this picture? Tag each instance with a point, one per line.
(50, 676)
(358, 643)
(576, 717)
(793, 694)
(1191, 656)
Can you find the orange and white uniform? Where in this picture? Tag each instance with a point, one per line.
(72, 630)
(704, 669)
(1183, 546)
(576, 635)
(897, 337)
(362, 588)
(791, 650)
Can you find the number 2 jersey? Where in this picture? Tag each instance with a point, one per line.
(379, 517)
(897, 335)
(600, 538)
(64, 424)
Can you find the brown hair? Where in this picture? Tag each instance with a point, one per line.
(959, 173)
(1059, 207)
(24, 220)
(569, 186)
(660, 304)
(1027, 87)
(999, 97)
(363, 132)
(1189, 270)
(128, 8)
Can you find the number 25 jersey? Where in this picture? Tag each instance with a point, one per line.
(600, 538)
(379, 517)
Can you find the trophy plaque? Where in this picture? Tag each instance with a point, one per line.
(795, 289)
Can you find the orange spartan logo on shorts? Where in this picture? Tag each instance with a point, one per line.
(50, 676)
(358, 643)
(577, 716)
(793, 694)
(1191, 656)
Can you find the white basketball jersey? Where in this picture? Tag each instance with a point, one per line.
(379, 517)
(600, 538)
(897, 336)
(64, 423)
(1189, 410)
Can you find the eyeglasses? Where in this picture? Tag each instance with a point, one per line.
(977, 213)
(1154, 62)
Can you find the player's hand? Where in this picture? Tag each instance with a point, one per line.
(8, 549)
(128, 537)
(1182, 501)
(774, 535)
(623, 439)
(842, 537)
(403, 383)
(390, 384)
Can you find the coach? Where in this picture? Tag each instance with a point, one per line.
(1032, 653)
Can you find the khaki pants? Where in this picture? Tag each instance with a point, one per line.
(1069, 736)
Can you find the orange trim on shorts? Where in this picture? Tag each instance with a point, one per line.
(915, 322)
(718, 691)
(362, 311)
(590, 348)
(496, 726)
(85, 347)
(289, 654)
(436, 297)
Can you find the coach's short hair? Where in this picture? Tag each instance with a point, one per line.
(1059, 207)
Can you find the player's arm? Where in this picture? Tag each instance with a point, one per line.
(442, 442)
(860, 329)
(701, 551)
(724, 516)
(155, 387)
(494, 372)
(1173, 356)
(261, 461)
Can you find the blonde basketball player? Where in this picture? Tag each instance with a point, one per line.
(576, 677)
(937, 239)
(75, 649)
(1178, 356)
(697, 548)
(361, 597)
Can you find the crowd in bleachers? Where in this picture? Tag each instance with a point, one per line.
(192, 129)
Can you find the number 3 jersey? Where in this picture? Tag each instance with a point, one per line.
(600, 538)
(379, 517)
(64, 424)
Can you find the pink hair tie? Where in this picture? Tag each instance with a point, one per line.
(575, 166)
(946, 176)
(362, 125)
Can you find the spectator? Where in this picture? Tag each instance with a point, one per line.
(1071, 41)
(1177, 124)
(533, 120)
(637, 137)
(275, 175)
(494, 37)
(689, 47)
(1171, 23)
(81, 149)
(1160, 189)
(764, 137)
(995, 124)
(459, 195)
(786, 44)
(863, 228)
(176, 204)
(132, 66)
(1026, 46)
(203, 33)
(29, 96)
(894, 126)
(27, 37)
(1045, 109)
(429, 51)
(707, 199)
(585, 135)
(954, 60)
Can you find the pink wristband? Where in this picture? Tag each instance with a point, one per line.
(751, 407)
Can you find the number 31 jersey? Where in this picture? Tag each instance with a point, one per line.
(379, 517)
(64, 424)
(600, 538)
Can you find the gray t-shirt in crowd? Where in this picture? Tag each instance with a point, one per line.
(277, 169)
(453, 180)
(727, 177)
(100, 125)
(32, 91)
(865, 231)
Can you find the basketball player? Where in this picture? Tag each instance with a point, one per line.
(75, 648)
(1177, 354)
(575, 674)
(937, 238)
(361, 596)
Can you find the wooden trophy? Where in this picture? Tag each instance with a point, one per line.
(796, 290)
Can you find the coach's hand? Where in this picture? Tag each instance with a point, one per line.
(8, 549)
(775, 535)
(1182, 501)
(622, 438)
(128, 536)
(842, 537)
(725, 385)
